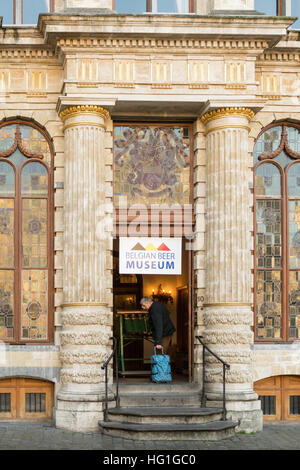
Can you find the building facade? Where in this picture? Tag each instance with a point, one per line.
(197, 108)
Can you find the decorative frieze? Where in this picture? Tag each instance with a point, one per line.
(95, 356)
(198, 74)
(37, 82)
(235, 73)
(271, 86)
(124, 73)
(278, 56)
(4, 81)
(228, 317)
(233, 356)
(152, 43)
(96, 337)
(25, 53)
(224, 112)
(88, 71)
(72, 111)
(81, 376)
(161, 73)
(95, 317)
(236, 376)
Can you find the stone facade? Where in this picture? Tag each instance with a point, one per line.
(74, 75)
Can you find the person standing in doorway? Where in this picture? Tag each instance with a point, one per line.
(160, 323)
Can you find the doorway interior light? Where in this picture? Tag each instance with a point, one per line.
(162, 295)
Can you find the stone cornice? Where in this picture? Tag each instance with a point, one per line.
(42, 53)
(223, 112)
(276, 55)
(262, 28)
(218, 45)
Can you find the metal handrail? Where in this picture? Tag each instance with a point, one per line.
(225, 367)
(105, 366)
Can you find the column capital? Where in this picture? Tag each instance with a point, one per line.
(73, 111)
(227, 112)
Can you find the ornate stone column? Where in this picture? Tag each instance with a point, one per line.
(227, 314)
(86, 317)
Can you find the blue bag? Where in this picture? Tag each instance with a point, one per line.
(160, 368)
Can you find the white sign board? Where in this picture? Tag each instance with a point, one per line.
(150, 255)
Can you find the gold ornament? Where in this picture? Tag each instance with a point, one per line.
(223, 112)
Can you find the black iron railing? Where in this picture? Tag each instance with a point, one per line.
(225, 367)
(105, 366)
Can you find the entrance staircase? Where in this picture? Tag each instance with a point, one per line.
(150, 411)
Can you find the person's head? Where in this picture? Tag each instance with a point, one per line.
(146, 303)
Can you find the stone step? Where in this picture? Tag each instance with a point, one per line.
(213, 431)
(150, 387)
(159, 399)
(164, 415)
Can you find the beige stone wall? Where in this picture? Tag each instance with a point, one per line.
(273, 360)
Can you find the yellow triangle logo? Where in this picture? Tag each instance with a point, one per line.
(151, 247)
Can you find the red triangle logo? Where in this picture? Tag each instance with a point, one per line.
(163, 247)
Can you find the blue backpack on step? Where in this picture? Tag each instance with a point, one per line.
(161, 368)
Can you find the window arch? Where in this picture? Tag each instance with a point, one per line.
(26, 227)
(277, 233)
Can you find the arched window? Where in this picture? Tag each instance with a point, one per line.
(26, 284)
(277, 233)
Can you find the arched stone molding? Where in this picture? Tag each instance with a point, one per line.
(31, 374)
(275, 359)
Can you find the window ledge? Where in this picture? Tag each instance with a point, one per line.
(29, 347)
(279, 346)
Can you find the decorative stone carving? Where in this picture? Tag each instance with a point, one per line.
(224, 112)
(85, 318)
(82, 110)
(87, 357)
(238, 336)
(86, 376)
(227, 318)
(85, 337)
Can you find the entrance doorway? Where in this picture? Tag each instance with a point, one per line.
(130, 322)
(280, 397)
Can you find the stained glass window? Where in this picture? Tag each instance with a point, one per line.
(277, 241)
(152, 164)
(25, 165)
(268, 180)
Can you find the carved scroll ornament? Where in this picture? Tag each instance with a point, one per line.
(18, 144)
(284, 145)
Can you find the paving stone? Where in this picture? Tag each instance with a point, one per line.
(28, 436)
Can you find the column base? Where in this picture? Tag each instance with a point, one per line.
(243, 407)
(80, 412)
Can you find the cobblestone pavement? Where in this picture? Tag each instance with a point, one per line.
(29, 436)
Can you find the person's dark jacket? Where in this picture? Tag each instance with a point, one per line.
(160, 322)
